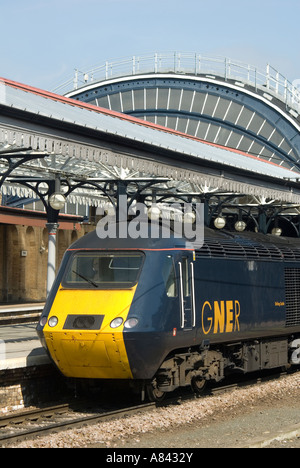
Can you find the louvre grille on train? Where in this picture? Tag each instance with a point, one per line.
(292, 295)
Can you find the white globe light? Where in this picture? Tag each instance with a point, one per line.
(276, 231)
(189, 217)
(154, 213)
(219, 222)
(240, 226)
(57, 201)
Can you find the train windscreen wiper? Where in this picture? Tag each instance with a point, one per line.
(88, 280)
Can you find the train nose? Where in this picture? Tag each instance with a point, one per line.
(89, 354)
(84, 345)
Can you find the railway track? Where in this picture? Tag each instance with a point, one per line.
(40, 422)
(34, 423)
(23, 313)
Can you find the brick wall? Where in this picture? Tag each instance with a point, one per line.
(22, 388)
(23, 275)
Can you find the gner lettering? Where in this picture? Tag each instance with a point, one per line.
(220, 316)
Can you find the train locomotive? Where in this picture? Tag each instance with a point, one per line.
(163, 314)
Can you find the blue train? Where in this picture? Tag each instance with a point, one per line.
(162, 314)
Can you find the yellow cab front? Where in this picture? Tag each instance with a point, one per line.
(84, 330)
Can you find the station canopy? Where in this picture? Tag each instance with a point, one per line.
(44, 136)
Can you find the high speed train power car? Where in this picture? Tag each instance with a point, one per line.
(162, 315)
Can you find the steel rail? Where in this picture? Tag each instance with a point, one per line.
(81, 421)
(59, 426)
(20, 314)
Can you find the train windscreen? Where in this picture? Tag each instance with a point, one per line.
(99, 270)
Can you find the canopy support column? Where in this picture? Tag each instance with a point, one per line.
(51, 265)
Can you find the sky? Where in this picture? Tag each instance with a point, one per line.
(43, 41)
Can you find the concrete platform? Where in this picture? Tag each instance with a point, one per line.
(20, 347)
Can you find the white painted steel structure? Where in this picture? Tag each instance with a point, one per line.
(80, 141)
(269, 80)
(217, 100)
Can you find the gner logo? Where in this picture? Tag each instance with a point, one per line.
(220, 316)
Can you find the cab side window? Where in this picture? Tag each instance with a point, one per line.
(168, 273)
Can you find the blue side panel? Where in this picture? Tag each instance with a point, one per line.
(239, 299)
(235, 300)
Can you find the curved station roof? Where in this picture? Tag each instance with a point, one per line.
(215, 99)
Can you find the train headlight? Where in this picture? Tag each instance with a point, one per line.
(131, 323)
(117, 322)
(53, 321)
(43, 321)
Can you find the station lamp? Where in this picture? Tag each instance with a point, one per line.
(276, 231)
(189, 217)
(57, 201)
(240, 226)
(219, 222)
(153, 213)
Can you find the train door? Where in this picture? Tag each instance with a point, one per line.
(187, 293)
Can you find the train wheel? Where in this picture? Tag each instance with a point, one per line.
(198, 385)
(153, 393)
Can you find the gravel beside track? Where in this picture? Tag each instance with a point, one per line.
(242, 417)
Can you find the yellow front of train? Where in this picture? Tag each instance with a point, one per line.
(83, 330)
